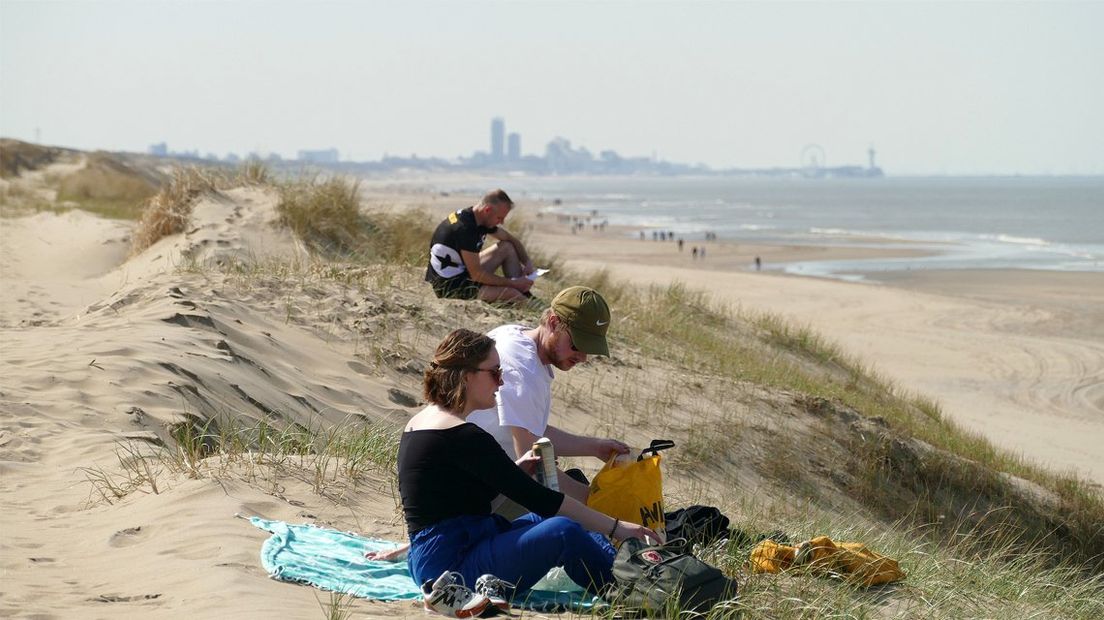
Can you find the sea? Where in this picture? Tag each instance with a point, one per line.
(1041, 223)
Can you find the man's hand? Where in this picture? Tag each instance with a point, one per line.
(605, 448)
(527, 267)
(521, 283)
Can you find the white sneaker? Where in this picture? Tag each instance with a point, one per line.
(449, 596)
(496, 590)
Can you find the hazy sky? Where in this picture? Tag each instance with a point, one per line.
(958, 88)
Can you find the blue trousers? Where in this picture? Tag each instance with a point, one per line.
(521, 551)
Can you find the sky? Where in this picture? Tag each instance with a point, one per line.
(935, 88)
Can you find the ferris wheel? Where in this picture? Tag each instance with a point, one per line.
(813, 160)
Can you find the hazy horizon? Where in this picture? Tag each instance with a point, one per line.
(936, 89)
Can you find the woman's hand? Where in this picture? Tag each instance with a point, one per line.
(387, 555)
(625, 530)
(528, 462)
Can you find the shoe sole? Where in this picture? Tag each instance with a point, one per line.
(460, 613)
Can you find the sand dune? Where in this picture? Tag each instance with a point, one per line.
(97, 350)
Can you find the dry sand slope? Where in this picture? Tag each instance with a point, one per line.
(1024, 367)
(95, 350)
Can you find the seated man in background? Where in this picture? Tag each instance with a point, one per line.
(459, 267)
(573, 327)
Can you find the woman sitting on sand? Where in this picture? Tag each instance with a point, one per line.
(450, 470)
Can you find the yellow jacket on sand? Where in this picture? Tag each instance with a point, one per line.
(850, 560)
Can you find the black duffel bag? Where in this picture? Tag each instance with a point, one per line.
(665, 578)
(697, 524)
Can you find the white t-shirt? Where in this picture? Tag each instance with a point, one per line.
(525, 398)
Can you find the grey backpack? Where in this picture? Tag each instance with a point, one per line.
(665, 578)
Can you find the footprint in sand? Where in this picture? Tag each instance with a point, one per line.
(125, 538)
(116, 598)
(359, 368)
(399, 397)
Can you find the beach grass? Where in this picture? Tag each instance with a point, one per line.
(169, 211)
(108, 187)
(328, 214)
(332, 458)
(960, 577)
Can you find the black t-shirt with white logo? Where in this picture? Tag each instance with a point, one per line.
(459, 231)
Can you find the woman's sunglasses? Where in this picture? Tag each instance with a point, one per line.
(496, 372)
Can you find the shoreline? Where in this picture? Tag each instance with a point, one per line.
(1015, 355)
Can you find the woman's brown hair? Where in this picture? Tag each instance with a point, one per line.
(460, 352)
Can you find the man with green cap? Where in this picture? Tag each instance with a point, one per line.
(572, 328)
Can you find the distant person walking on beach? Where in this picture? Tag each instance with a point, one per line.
(758, 264)
(459, 267)
(572, 328)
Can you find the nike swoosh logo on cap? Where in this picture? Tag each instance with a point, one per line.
(601, 323)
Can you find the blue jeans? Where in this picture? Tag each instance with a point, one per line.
(520, 552)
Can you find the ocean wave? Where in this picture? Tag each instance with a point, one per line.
(831, 231)
(844, 232)
(1003, 238)
(606, 196)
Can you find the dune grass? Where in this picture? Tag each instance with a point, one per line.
(328, 215)
(17, 156)
(960, 577)
(332, 458)
(324, 213)
(108, 187)
(169, 211)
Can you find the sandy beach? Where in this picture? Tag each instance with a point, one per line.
(1015, 355)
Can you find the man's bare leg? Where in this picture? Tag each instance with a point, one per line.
(502, 255)
(501, 294)
(505, 256)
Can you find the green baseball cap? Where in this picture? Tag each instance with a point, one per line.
(587, 317)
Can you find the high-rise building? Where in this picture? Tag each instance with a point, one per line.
(513, 147)
(498, 133)
(326, 156)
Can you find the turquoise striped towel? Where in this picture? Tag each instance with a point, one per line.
(335, 561)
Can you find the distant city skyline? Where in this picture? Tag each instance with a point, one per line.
(947, 88)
